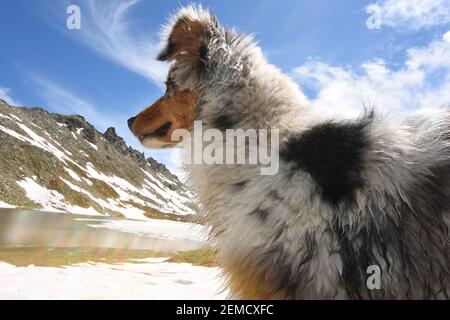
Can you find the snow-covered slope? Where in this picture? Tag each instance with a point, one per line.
(62, 163)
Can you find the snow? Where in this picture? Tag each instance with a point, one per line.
(153, 193)
(73, 175)
(84, 153)
(79, 130)
(109, 204)
(89, 182)
(170, 201)
(176, 200)
(92, 145)
(61, 124)
(35, 125)
(153, 178)
(163, 229)
(51, 200)
(5, 117)
(75, 188)
(6, 205)
(13, 133)
(74, 135)
(165, 179)
(42, 143)
(37, 141)
(152, 278)
(48, 199)
(18, 119)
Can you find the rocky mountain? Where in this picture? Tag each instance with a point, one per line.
(56, 162)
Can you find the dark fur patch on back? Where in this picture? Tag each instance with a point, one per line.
(332, 153)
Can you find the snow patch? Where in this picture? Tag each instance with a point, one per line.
(93, 146)
(73, 175)
(5, 117)
(35, 125)
(48, 199)
(148, 279)
(89, 182)
(13, 134)
(6, 205)
(110, 204)
(168, 201)
(51, 200)
(17, 118)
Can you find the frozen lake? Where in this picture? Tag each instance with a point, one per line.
(27, 228)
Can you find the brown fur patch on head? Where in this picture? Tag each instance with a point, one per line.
(185, 41)
(154, 126)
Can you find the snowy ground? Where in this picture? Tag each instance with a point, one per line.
(151, 278)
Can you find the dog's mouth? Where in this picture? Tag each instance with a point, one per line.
(158, 133)
(153, 140)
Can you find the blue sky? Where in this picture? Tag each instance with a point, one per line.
(106, 71)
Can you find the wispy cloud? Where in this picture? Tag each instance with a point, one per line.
(5, 94)
(106, 29)
(423, 80)
(411, 14)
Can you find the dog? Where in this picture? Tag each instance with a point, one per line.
(352, 199)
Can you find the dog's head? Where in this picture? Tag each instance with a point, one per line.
(187, 39)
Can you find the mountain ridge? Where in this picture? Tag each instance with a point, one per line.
(56, 162)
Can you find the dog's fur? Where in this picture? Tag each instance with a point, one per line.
(348, 194)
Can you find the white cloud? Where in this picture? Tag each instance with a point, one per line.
(105, 29)
(5, 94)
(411, 14)
(422, 81)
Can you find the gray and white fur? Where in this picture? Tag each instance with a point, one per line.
(348, 194)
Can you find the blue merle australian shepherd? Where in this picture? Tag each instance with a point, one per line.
(350, 196)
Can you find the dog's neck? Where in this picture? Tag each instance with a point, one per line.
(234, 94)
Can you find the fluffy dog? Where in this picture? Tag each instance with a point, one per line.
(348, 195)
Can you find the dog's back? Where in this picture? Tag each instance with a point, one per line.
(351, 198)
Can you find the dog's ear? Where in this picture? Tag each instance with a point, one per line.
(187, 38)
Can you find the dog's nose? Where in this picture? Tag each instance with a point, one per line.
(130, 123)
